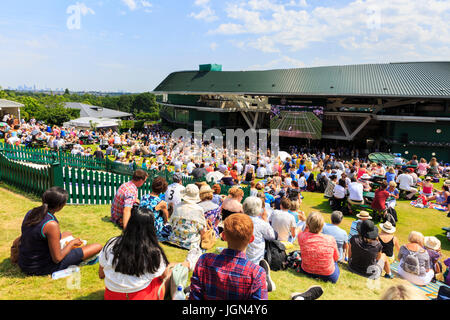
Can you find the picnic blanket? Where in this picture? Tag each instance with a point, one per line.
(431, 290)
(419, 204)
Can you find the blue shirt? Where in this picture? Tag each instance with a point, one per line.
(390, 177)
(269, 198)
(301, 168)
(339, 235)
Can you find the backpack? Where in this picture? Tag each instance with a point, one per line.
(275, 255)
(391, 216)
(411, 263)
(15, 251)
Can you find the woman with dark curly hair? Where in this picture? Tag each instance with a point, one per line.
(158, 207)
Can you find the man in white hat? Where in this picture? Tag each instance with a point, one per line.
(362, 216)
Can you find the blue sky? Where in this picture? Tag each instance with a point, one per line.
(132, 45)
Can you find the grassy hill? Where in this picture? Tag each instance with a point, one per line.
(92, 223)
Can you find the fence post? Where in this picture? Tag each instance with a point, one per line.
(56, 175)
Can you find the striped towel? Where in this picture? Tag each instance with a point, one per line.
(431, 290)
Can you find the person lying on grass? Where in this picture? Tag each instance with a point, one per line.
(40, 250)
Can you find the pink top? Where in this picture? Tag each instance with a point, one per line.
(428, 190)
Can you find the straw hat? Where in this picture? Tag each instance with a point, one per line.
(447, 182)
(387, 227)
(432, 243)
(191, 194)
(364, 214)
(206, 189)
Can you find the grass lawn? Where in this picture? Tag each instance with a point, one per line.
(91, 223)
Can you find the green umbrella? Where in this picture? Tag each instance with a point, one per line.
(3, 124)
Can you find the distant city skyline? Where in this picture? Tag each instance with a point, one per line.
(132, 45)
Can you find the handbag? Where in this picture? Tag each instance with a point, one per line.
(209, 237)
(15, 251)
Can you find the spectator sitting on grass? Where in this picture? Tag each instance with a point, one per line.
(415, 265)
(134, 265)
(230, 275)
(365, 255)
(338, 234)
(40, 249)
(319, 252)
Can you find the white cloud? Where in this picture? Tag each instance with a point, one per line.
(206, 13)
(131, 4)
(393, 29)
(138, 4)
(213, 46)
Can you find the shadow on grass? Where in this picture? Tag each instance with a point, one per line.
(324, 207)
(9, 270)
(108, 220)
(445, 243)
(97, 295)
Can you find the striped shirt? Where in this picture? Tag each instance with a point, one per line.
(228, 276)
(125, 197)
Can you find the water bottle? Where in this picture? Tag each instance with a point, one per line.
(179, 295)
(65, 273)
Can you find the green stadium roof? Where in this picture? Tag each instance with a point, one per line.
(398, 80)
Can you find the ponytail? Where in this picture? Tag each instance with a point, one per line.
(53, 198)
(36, 215)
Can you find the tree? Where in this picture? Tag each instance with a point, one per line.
(67, 92)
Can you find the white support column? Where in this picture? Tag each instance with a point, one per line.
(361, 126)
(344, 126)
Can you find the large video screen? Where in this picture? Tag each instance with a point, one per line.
(297, 121)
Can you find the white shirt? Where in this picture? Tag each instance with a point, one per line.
(261, 172)
(282, 222)
(173, 193)
(190, 166)
(122, 283)
(405, 181)
(177, 164)
(339, 192)
(302, 182)
(356, 191)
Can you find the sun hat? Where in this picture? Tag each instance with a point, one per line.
(432, 243)
(206, 189)
(267, 189)
(364, 214)
(368, 230)
(191, 194)
(365, 176)
(447, 182)
(428, 178)
(387, 227)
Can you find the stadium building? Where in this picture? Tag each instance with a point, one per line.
(396, 107)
